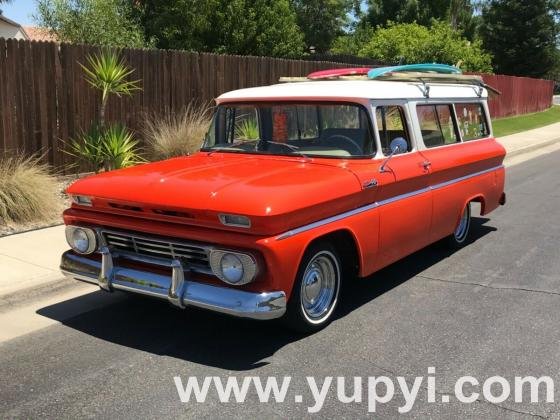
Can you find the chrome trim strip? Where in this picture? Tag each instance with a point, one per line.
(403, 196)
(326, 221)
(178, 289)
(371, 206)
(464, 178)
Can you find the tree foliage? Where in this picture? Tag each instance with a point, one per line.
(258, 27)
(459, 13)
(96, 22)
(322, 21)
(522, 35)
(352, 43)
(414, 43)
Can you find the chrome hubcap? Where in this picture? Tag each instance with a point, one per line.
(463, 228)
(319, 287)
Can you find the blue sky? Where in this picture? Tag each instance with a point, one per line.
(20, 11)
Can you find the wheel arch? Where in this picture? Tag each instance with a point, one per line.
(346, 243)
(476, 198)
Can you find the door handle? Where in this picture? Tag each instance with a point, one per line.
(426, 164)
(369, 184)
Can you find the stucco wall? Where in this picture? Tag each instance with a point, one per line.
(11, 31)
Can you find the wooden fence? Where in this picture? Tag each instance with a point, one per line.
(520, 95)
(44, 99)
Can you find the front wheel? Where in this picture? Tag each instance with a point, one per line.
(316, 289)
(459, 238)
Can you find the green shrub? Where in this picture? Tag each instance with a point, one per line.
(86, 147)
(28, 192)
(119, 148)
(412, 43)
(176, 134)
(247, 130)
(111, 148)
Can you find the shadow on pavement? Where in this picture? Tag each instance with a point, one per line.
(220, 341)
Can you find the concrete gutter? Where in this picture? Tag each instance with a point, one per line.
(29, 261)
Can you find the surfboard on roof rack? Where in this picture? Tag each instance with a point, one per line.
(421, 68)
(425, 78)
(412, 73)
(336, 73)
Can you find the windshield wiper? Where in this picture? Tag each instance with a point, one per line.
(293, 149)
(217, 148)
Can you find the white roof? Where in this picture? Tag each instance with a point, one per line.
(357, 89)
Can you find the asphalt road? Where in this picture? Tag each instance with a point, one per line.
(488, 309)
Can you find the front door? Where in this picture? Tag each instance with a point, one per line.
(404, 197)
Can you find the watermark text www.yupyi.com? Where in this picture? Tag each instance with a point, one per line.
(372, 391)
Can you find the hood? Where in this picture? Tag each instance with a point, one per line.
(276, 193)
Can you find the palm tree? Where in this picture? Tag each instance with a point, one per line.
(109, 147)
(107, 72)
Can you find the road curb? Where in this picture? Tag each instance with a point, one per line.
(30, 294)
(532, 147)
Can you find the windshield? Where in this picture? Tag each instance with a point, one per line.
(339, 130)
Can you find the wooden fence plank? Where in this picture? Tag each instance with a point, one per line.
(5, 123)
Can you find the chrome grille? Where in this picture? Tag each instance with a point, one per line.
(195, 255)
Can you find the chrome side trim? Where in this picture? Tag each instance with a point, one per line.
(464, 178)
(371, 206)
(403, 196)
(177, 289)
(326, 221)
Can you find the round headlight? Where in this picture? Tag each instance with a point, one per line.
(82, 240)
(236, 268)
(232, 268)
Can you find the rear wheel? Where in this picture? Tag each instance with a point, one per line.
(459, 238)
(316, 289)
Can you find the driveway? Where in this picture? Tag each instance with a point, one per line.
(488, 309)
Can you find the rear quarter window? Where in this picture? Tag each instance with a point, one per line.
(472, 121)
(437, 124)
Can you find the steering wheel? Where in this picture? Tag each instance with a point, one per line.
(353, 145)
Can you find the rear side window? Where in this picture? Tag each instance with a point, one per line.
(472, 121)
(437, 124)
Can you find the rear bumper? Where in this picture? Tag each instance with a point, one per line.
(176, 288)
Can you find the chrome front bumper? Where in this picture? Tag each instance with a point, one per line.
(176, 288)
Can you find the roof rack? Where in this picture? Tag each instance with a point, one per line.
(425, 78)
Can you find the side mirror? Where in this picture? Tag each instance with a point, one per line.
(398, 145)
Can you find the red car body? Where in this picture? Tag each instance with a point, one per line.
(292, 201)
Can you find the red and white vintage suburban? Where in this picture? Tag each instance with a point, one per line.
(298, 189)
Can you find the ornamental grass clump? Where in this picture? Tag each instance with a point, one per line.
(28, 192)
(176, 134)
